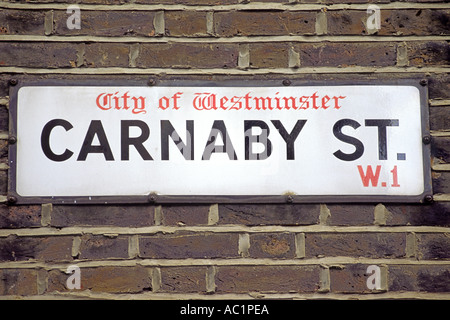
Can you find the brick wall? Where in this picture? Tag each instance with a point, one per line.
(217, 251)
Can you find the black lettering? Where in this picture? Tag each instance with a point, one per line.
(337, 131)
(186, 149)
(137, 142)
(382, 133)
(289, 138)
(45, 140)
(262, 138)
(219, 128)
(95, 129)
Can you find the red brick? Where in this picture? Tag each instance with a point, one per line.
(370, 245)
(21, 282)
(185, 245)
(272, 245)
(349, 279)
(185, 23)
(269, 55)
(104, 279)
(252, 23)
(239, 279)
(183, 279)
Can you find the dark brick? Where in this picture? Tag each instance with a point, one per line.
(346, 22)
(346, 54)
(185, 215)
(350, 214)
(283, 214)
(183, 279)
(102, 247)
(433, 214)
(22, 22)
(441, 182)
(12, 217)
(433, 246)
(15, 248)
(349, 279)
(431, 53)
(183, 245)
(187, 55)
(239, 279)
(272, 245)
(419, 278)
(38, 55)
(99, 215)
(99, 55)
(370, 245)
(252, 23)
(439, 118)
(440, 146)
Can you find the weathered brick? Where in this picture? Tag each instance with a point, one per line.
(22, 22)
(272, 245)
(183, 279)
(99, 55)
(189, 2)
(185, 23)
(283, 214)
(238, 279)
(269, 55)
(21, 282)
(350, 214)
(432, 246)
(349, 279)
(184, 245)
(38, 55)
(346, 22)
(441, 182)
(104, 279)
(108, 23)
(440, 146)
(439, 86)
(431, 53)
(102, 247)
(49, 249)
(187, 55)
(185, 215)
(432, 214)
(12, 217)
(419, 278)
(346, 54)
(439, 118)
(4, 118)
(252, 23)
(371, 245)
(99, 215)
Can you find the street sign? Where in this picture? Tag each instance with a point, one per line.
(223, 142)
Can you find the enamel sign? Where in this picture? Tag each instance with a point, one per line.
(119, 143)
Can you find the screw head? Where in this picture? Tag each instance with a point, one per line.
(12, 139)
(12, 199)
(426, 139)
(286, 82)
(13, 82)
(428, 198)
(423, 82)
(152, 198)
(151, 82)
(289, 199)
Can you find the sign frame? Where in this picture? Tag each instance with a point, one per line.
(14, 198)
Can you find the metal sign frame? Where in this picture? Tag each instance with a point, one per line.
(14, 198)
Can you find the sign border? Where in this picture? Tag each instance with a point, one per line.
(14, 198)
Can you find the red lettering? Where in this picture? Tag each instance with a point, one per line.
(369, 176)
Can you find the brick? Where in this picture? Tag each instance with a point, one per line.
(346, 54)
(38, 55)
(12, 217)
(272, 245)
(346, 22)
(99, 215)
(370, 245)
(185, 215)
(259, 23)
(431, 53)
(99, 55)
(22, 22)
(21, 282)
(439, 86)
(441, 182)
(47, 249)
(108, 23)
(433, 246)
(102, 247)
(282, 214)
(439, 118)
(420, 22)
(189, 2)
(4, 118)
(351, 214)
(185, 23)
(349, 279)
(433, 214)
(183, 279)
(419, 278)
(282, 279)
(269, 55)
(185, 245)
(187, 55)
(440, 146)
(104, 279)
